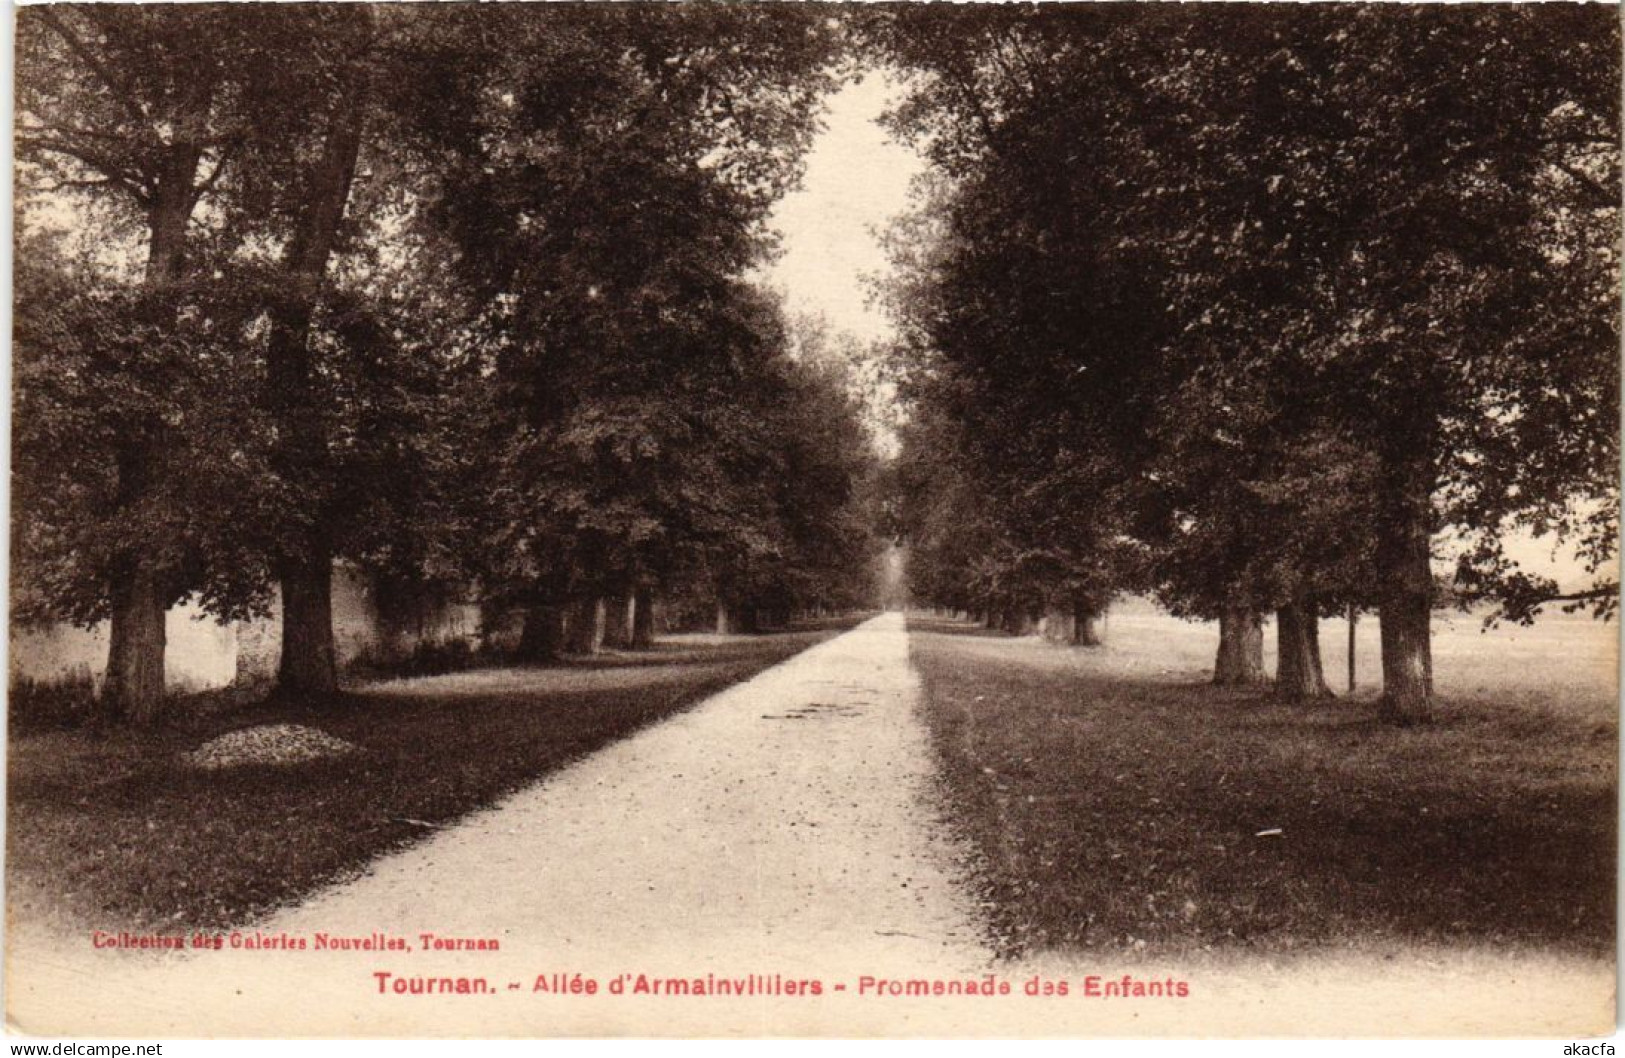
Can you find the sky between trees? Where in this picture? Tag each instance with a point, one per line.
(857, 183)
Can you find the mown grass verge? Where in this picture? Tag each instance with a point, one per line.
(1117, 811)
(116, 830)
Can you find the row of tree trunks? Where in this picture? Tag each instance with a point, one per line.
(587, 625)
(1086, 625)
(1299, 674)
(1017, 621)
(737, 620)
(1405, 631)
(1405, 606)
(1075, 625)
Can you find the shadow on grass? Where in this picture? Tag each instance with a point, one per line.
(952, 626)
(115, 830)
(699, 648)
(1115, 812)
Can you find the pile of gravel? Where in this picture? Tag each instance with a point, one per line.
(268, 744)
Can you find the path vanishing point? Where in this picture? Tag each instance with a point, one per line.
(783, 832)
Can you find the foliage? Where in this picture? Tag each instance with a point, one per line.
(1268, 272)
(94, 366)
(509, 339)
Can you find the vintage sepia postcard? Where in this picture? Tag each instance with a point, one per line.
(814, 520)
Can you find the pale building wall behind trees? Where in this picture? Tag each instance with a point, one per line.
(205, 655)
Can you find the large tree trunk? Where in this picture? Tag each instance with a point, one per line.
(133, 685)
(643, 619)
(133, 688)
(1405, 616)
(1085, 625)
(1405, 606)
(1298, 672)
(1241, 649)
(308, 663)
(1407, 666)
(586, 631)
(541, 638)
(618, 610)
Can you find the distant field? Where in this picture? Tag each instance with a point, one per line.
(1120, 803)
(1566, 663)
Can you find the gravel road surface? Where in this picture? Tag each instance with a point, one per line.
(780, 833)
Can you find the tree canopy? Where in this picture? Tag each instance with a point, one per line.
(1250, 309)
(1251, 320)
(461, 296)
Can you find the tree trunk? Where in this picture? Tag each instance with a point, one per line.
(169, 214)
(1298, 672)
(725, 619)
(1057, 626)
(618, 611)
(1404, 622)
(1085, 625)
(1241, 649)
(133, 688)
(133, 685)
(586, 631)
(1405, 603)
(542, 636)
(308, 664)
(1354, 620)
(643, 619)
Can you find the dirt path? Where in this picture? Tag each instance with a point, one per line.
(782, 831)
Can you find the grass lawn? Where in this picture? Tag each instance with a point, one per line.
(118, 831)
(1116, 802)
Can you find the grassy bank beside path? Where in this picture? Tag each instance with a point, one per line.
(1116, 805)
(118, 831)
